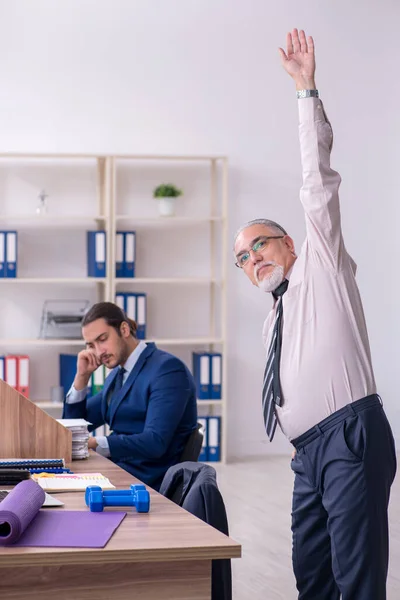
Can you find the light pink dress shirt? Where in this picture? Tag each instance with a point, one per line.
(325, 360)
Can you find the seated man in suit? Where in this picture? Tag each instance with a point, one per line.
(148, 399)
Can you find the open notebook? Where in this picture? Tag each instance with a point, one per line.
(71, 482)
(49, 501)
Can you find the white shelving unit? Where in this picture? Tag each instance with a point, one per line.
(195, 240)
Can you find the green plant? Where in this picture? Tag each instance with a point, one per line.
(167, 190)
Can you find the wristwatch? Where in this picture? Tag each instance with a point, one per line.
(307, 94)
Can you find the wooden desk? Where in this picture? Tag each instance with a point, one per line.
(164, 554)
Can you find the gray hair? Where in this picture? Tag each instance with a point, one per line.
(276, 228)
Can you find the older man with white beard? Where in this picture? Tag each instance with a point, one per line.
(319, 384)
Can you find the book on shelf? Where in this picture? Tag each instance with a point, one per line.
(211, 447)
(207, 372)
(14, 370)
(134, 305)
(8, 254)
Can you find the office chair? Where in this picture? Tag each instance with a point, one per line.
(193, 486)
(191, 451)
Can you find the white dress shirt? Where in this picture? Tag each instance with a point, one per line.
(325, 358)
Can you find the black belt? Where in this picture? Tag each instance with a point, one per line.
(336, 418)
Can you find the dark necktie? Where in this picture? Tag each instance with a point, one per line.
(117, 384)
(271, 393)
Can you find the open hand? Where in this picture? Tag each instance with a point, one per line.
(299, 59)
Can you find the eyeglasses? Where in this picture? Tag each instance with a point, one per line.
(243, 258)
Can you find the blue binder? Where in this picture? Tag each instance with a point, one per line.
(141, 312)
(135, 307)
(203, 456)
(216, 375)
(129, 253)
(11, 254)
(2, 254)
(119, 255)
(96, 253)
(2, 368)
(130, 306)
(202, 374)
(67, 371)
(214, 439)
(120, 300)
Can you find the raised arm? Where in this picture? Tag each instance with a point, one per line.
(320, 190)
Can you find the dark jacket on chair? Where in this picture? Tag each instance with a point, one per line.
(194, 487)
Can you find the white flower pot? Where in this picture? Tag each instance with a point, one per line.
(166, 206)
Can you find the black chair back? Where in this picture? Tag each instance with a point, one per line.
(191, 451)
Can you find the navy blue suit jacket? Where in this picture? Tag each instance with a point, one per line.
(151, 418)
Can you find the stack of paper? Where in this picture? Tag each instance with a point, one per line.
(80, 436)
(68, 482)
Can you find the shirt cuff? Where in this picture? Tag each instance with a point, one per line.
(103, 448)
(310, 109)
(74, 396)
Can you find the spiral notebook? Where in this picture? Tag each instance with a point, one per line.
(69, 482)
(32, 463)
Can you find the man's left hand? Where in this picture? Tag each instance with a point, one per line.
(299, 59)
(92, 443)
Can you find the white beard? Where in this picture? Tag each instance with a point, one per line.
(272, 281)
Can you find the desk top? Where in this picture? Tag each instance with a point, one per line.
(166, 533)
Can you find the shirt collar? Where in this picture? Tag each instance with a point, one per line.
(134, 356)
(288, 274)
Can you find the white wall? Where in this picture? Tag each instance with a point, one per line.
(201, 77)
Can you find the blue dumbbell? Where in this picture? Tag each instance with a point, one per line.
(132, 490)
(136, 496)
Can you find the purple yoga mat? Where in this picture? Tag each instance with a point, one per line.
(22, 523)
(18, 509)
(71, 529)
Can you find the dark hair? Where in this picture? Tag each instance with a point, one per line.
(112, 314)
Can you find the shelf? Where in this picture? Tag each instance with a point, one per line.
(186, 341)
(52, 157)
(173, 280)
(43, 280)
(47, 404)
(52, 218)
(167, 221)
(40, 342)
(64, 155)
(62, 342)
(52, 221)
(101, 180)
(209, 403)
(168, 157)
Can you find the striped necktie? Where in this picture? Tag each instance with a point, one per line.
(271, 393)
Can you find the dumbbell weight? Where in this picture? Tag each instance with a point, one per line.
(137, 496)
(132, 490)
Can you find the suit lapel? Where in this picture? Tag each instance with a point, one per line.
(115, 402)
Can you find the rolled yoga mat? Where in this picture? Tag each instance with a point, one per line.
(18, 509)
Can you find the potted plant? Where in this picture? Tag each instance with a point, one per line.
(166, 194)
